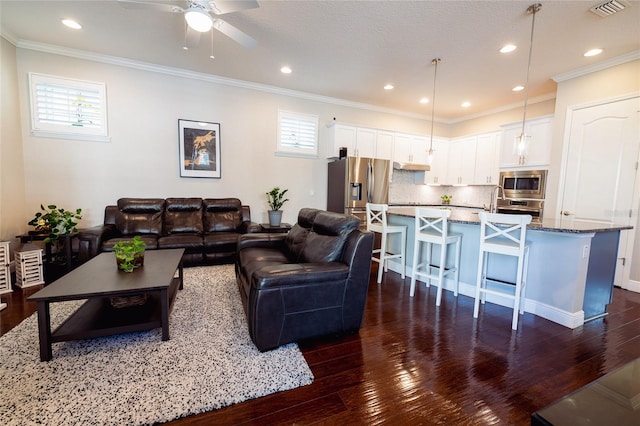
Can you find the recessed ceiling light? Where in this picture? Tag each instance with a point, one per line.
(72, 24)
(388, 86)
(593, 52)
(466, 104)
(424, 101)
(518, 88)
(285, 70)
(508, 48)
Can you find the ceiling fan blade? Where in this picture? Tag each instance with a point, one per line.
(192, 37)
(234, 33)
(162, 6)
(220, 7)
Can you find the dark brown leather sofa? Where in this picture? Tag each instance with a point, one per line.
(310, 282)
(207, 229)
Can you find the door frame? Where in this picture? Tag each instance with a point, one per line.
(635, 202)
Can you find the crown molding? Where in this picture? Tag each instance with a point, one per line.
(211, 78)
(9, 36)
(504, 108)
(629, 57)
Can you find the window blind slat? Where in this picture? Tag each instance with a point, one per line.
(67, 106)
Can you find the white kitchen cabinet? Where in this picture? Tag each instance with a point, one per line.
(539, 152)
(342, 136)
(384, 145)
(359, 141)
(438, 173)
(408, 148)
(462, 161)
(487, 167)
(365, 142)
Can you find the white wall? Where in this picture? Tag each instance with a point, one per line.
(142, 157)
(12, 189)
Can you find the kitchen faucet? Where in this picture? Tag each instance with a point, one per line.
(493, 207)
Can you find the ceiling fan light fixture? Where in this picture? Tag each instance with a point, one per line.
(198, 19)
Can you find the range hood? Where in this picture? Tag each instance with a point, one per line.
(413, 167)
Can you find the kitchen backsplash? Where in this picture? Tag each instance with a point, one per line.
(404, 190)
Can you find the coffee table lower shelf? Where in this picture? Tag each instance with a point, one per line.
(98, 318)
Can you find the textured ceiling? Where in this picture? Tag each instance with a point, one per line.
(350, 49)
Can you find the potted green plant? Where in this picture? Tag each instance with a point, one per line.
(55, 222)
(129, 253)
(276, 200)
(446, 199)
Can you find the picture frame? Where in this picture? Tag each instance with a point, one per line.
(199, 149)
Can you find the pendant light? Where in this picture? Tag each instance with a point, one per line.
(435, 62)
(522, 141)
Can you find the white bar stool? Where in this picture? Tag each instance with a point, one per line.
(432, 228)
(507, 240)
(377, 222)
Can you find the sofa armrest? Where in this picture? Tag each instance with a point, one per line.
(247, 227)
(90, 240)
(288, 274)
(260, 240)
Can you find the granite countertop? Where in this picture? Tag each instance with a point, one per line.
(470, 216)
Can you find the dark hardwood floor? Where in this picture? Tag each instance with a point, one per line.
(413, 363)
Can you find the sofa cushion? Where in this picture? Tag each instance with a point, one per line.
(222, 214)
(140, 216)
(326, 238)
(191, 242)
(183, 215)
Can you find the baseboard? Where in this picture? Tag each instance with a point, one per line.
(568, 319)
(634, 286)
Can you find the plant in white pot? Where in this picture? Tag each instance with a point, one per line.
(276, 200)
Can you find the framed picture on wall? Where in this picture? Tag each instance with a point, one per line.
(199, 149)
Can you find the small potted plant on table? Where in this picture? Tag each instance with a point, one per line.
(130, 253)
(446, 199)
(276, 200)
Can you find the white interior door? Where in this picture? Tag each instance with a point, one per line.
(601, 170)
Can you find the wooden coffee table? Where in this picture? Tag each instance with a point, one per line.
(97, 281)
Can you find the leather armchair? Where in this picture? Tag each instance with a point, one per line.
(310, 282)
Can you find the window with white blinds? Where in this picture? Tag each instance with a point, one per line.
(65, 108)
(297, 134)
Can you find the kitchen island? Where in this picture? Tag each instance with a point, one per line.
(571, 263)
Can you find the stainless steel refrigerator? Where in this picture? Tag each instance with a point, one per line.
(355, 181)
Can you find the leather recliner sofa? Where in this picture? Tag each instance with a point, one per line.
(207, 229)
(309, 282)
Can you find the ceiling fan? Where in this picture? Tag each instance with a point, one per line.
(198, 16)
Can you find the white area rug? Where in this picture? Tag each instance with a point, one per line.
(209, 362)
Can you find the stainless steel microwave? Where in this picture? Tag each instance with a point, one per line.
(524, 183)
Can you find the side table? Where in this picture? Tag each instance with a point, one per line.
(283, 228)
(28, 238)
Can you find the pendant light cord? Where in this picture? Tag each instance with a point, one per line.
(531, 9)
(433, 102)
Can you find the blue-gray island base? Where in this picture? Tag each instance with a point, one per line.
(571, 264)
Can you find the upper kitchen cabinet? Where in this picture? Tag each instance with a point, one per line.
(438, 173)
(409, 148)
(359, 141)
(487, 168)
(384, 145)
(539, 151)
(462, 161)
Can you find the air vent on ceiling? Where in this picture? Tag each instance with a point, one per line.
(610, 7)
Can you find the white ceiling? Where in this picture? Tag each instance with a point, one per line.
(350, 49)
